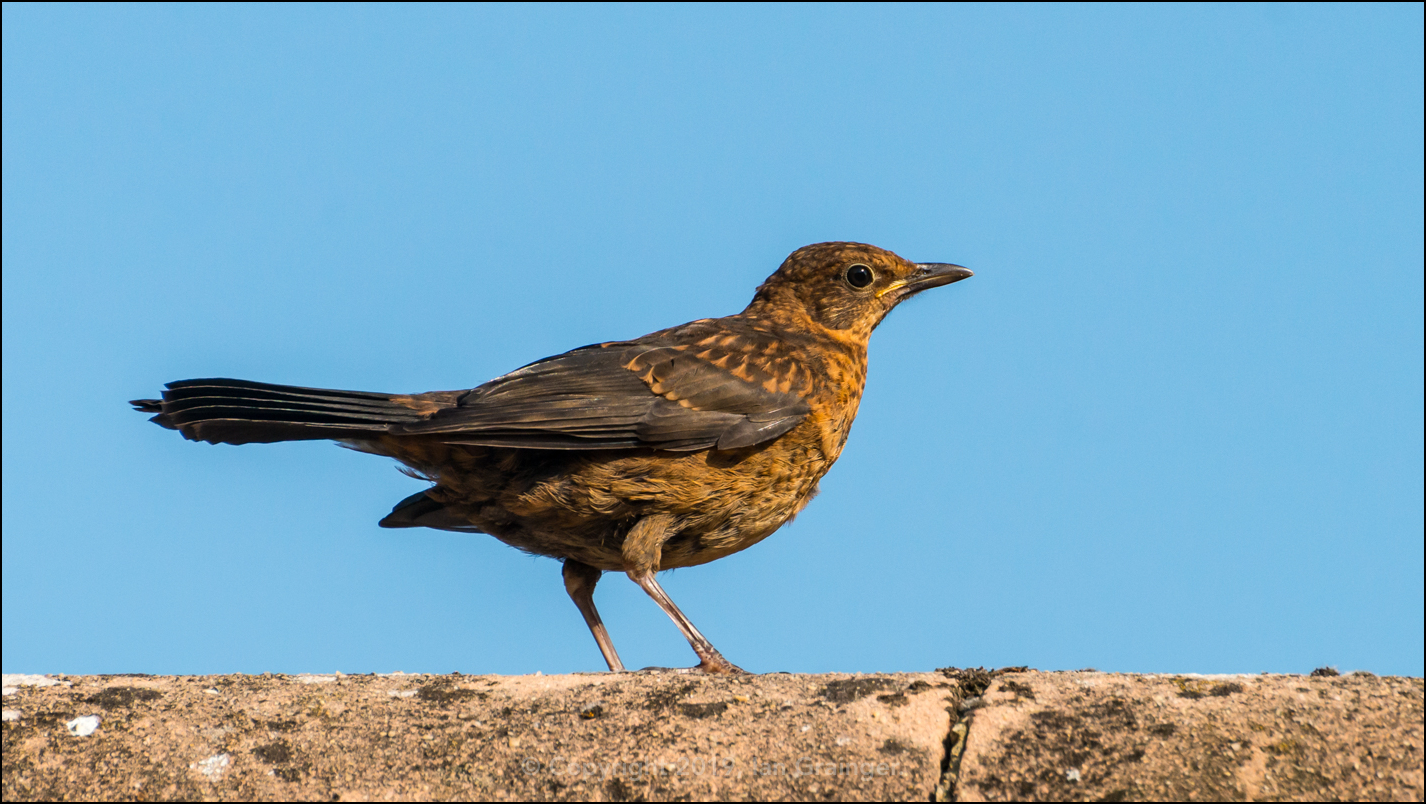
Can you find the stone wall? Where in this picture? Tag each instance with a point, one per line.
(652, 735)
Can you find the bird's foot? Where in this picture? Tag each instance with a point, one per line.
(723, 667)
(719, 667)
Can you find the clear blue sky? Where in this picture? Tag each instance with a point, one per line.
(1174, 422)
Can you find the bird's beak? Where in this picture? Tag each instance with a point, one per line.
(928, 275)
(935, 274)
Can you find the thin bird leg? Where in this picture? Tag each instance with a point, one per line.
(579, 581)
(710, 660)
(642, 549)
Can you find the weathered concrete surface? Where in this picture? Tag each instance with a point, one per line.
(660, 736)
(650, 735)
(1101, 737)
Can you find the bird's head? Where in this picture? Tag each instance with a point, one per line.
(847, 288)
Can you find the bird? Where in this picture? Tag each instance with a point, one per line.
(666, 451)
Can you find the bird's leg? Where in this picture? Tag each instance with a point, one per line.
(579, 581)
(710, 660)
(642, 550)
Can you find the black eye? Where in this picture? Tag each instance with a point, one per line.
(859, 276)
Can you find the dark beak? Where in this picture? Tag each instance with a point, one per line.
(937, 274)
(934, 275)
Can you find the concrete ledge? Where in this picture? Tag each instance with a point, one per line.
(662, 735)
(1102, 737)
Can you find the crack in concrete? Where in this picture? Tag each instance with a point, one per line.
(973, 682)
(951, 762)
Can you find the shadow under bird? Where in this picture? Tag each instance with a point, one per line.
(670, 450)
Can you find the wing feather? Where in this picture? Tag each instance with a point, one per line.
(659, 391)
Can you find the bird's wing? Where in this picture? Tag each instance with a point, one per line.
(667, 391)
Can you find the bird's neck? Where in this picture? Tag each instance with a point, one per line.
(789, 315)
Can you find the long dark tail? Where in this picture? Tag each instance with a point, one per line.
(223, 411)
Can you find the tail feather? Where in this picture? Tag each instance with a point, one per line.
(420, 511)
(223, 411)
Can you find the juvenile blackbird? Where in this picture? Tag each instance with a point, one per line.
(670, 450)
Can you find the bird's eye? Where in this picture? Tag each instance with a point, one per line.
(859, 276)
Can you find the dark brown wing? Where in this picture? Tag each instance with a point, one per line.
(689, 388)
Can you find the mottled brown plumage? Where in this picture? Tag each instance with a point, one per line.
(670, 450)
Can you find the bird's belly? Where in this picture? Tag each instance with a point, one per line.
(583, 507)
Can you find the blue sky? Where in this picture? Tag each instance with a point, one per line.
(1173, 424)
